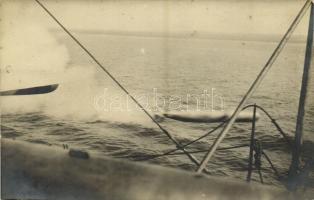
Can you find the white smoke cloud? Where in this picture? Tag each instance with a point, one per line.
(31, 55)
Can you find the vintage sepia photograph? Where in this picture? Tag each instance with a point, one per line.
(157, 99)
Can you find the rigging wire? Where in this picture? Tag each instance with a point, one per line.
(254, 86)
(202, 151)
(230, 122)
(191, 157)
(271, 164)
(273, 120)
(149, 157)
(170, 152)
(262, 153)
(183, 146)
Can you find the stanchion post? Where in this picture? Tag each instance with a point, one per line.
(250, 166)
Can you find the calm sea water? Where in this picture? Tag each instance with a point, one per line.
(174, 67)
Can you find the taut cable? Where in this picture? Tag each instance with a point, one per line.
(254, 86)
(192, 158)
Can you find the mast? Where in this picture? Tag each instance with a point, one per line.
(302, 101)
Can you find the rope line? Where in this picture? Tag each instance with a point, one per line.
(271, 164)
(214, 147)
(192, 158)
(285, 135)
(254, 86)
(257, 161)
(185, 145)
(171, 152)
(150, 157)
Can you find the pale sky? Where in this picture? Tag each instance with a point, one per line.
(216, 17)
